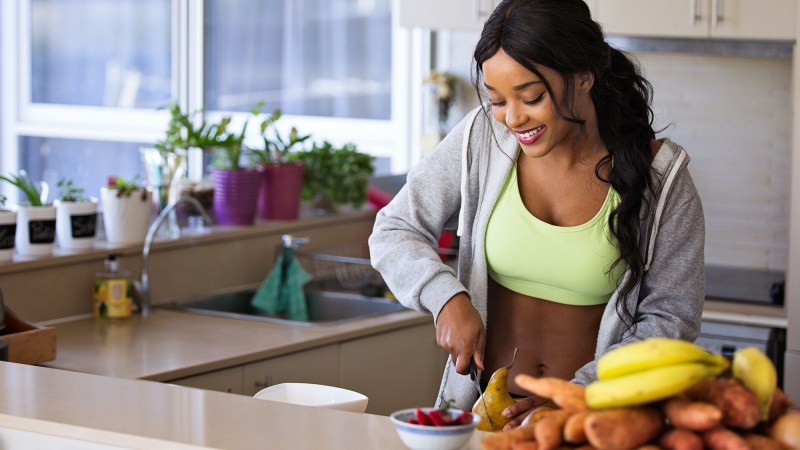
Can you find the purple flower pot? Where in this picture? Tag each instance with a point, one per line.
(279, 197)
(235, 195)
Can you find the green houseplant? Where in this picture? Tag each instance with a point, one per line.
(76, 217)
(36, 221)
(335, 175)
(127, 208)
(279, 196)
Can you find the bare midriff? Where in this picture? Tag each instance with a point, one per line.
(553, 339)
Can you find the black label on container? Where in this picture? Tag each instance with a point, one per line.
(83, 225)
(42, 231)
(7, 234)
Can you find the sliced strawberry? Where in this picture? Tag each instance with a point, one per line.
(438, 418)
(423, 418)
(413, 421)
(464, 418)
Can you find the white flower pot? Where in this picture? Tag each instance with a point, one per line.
(36, 230)
(8, 230)
(76, 224)
(126, 218)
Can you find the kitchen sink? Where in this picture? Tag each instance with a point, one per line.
(324, 307)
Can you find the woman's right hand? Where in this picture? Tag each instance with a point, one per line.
(460, 332)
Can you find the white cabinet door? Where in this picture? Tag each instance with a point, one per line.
(396, 370)
(446, 14)
(754, 19)
(318, 366)
(225, 380)
(732, 19)
(654, 18)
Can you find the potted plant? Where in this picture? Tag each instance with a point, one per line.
(334, 176)
(279, 197)
(8, 228)
(236, 185)
(36, 221)
(126, 210)
(76, 217)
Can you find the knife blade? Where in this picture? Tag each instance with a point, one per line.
(473, 375)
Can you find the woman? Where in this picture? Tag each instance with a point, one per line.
(579, 230)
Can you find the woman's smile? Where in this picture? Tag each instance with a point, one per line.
(529, 137)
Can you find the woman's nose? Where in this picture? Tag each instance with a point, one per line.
(515, 117)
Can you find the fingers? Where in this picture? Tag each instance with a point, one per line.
(520, 411)
(477, 352)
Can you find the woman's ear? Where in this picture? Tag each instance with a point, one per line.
(584, 82)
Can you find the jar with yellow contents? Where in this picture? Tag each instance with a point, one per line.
(113, 291)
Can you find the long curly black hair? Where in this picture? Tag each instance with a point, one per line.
(561, 35)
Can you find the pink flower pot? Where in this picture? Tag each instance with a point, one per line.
(279, 197)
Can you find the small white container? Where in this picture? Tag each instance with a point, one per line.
(317, 395)
(76, 224)
(428, 437)
(126, 218)
(8, 230)
(36, 230)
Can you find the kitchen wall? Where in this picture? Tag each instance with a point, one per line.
(733, 115)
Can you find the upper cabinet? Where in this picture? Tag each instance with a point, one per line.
(467, 15)
(732, 19)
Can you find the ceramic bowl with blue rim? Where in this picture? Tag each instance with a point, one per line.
(432, 437)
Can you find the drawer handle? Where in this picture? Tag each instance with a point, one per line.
(267, 382)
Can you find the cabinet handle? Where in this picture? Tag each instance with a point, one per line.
(267, 382)
(716, 17)
(693, 16)
(477, 10)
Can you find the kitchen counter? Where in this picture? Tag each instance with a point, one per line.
(167, 345)
(97, 412)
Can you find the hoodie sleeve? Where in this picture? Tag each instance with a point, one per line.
(403, 244)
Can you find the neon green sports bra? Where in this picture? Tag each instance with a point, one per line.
(562, 264)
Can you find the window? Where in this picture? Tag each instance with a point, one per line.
(83, 79)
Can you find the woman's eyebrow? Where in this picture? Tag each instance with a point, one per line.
(518, 87)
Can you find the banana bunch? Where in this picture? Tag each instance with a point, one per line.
(756, 371)
(650, 370)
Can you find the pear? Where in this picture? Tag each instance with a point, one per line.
(495, 399)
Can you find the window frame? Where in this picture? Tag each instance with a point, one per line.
(20, 117)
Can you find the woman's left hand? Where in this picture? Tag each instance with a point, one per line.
(521, 410)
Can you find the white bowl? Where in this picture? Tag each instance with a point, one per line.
(315, 395)
(427, 437)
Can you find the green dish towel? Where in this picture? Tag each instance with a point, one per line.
(282, 292)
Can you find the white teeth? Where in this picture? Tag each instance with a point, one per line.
(529, 134)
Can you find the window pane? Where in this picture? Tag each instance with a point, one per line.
(101, 52)
(86, 163)
(309, 57)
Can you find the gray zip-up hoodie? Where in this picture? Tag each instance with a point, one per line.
(457, 185)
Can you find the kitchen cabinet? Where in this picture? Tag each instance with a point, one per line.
(225, 380)
(396, 370)
(722, 19)
(317, 366)
(450, 14)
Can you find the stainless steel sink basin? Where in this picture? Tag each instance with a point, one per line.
(324, 307)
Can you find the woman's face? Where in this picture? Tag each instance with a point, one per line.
(521, 102)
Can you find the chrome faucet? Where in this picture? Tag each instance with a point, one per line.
(142, 287)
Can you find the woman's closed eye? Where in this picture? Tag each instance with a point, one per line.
(536, 100)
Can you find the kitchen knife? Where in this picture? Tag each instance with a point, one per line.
(473, 375)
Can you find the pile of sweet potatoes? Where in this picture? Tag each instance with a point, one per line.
(718, 414)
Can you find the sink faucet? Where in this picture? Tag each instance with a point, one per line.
(142, 287)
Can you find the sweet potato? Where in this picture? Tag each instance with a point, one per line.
(723, 439)
(503, 440)
(570, 403)
(524, 445)
(574, 432)
(761, 442)
(780, 404)
(549, 386)
(623, 428)
(739, 405)
(698, 416)
(680, 439)
(547, 430)
(786, 430)
(649, 447)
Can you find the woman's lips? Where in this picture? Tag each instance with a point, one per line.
(528, 137)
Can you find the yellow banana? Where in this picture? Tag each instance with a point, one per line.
(648, 385)
(652, 353)
(758, 374)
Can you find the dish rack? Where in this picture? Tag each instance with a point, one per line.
(344, 268)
